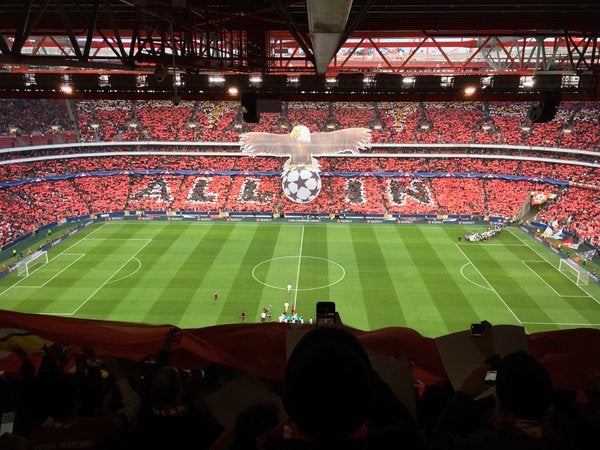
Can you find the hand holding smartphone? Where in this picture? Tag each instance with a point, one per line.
(94, 362)
(326, 314)
(477, 329)
(482, 335)
(490, 377)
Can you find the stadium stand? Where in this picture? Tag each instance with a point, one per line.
(468, 174)
(136, 362)
(33, 117)
(485, 123)
(364, 194)
(577, 211)
(232, 183)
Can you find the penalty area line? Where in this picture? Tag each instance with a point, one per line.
(489, 284)
(110, 278)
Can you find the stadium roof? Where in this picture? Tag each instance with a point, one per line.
(298, 38)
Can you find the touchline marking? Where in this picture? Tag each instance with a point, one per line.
(483, 244)
(489, 284)
(547, 284)
(545, 259)
(109, 278)
(563, 323)
(82, 239)
(88, 236)
(298, 271)
(117, 239)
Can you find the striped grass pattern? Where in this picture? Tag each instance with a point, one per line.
(378, 275)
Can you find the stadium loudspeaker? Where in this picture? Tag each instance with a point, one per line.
(249, 108)
(428, 83)
(83, 81)
(164, 82)
(312, 82)
(547, 108)
(48, 80)
(120, 81)
(547, 82)
(350, 81)
(269, 105)
(507, 83)
(12, 80)
(386, 81)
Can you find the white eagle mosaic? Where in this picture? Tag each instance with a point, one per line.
(300, 180)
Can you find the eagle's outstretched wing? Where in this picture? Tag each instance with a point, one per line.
(258, 143)
(347, 140)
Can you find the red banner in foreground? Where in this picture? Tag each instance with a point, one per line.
(261, 348)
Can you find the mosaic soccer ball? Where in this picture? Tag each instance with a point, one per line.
(301, 184)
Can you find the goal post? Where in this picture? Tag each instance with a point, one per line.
(25, 266)
(574, 272)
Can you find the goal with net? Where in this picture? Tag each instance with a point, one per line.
(574, 272)
(25, 266)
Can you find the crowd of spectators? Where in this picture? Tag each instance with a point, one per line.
(576, 210)
(33, 117)
(26, 207)
(332, 394)
(407, 165)
(442, 122)
(472, 122)
(77, 399)
(102, 120)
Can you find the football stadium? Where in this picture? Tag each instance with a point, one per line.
(277, 223)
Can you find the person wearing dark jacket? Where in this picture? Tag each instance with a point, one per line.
(523, 419)
(171, 424)
(334, 399)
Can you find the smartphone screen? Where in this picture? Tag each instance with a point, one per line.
(325, 313)
(477, 329)
(490, 377)
(8, 421)
(94, 362)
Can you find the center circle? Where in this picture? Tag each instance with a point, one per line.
(289, 265)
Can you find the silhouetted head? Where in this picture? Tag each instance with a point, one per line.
(523, 386)
(166, 385)
(59, 396)
(329, 384)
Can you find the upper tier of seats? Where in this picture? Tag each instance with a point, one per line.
(27, 122)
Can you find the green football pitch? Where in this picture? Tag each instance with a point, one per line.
(378, 276)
